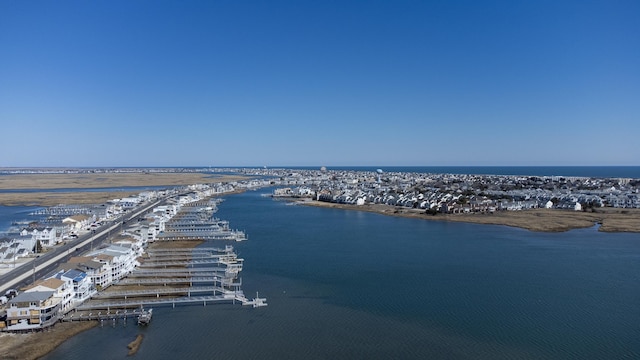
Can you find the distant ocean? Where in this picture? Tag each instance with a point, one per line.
(581, 171)
(357, 285)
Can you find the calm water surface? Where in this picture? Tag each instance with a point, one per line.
(355, 285)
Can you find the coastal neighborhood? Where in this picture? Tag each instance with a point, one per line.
(46, 300)
(188, 216)
(455, 193)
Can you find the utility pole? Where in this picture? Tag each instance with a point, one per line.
(34, 268)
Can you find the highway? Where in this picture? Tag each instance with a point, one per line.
(46, 262)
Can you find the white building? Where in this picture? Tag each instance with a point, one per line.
(33, 310)
(46, 236)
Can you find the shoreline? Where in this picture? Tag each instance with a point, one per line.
(38, 344)
(541, 220)
(35, 345)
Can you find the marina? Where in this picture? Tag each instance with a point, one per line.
(177, 276)
(198, 223)
(135, 275)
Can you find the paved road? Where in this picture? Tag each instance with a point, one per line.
(46, 262)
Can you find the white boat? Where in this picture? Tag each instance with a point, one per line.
(145, 317)
(256, 302)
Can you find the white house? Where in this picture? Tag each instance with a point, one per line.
(78, 222)
(120, 260)
(62, 288)
(83, 288)
(46, 235)
(99, 273)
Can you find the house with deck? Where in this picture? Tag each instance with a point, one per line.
(33, 310)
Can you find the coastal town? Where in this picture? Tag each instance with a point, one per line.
(59, 295)
(441, 192)
(455, 193)
(38, 303)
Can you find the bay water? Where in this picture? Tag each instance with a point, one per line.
(356, 285)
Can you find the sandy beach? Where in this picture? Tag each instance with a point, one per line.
(547, 220)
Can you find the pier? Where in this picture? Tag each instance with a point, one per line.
(186, 300)
(160, 291)
(198, 223)
(173, 281)
(102, 316)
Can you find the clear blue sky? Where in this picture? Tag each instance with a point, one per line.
(252, 83)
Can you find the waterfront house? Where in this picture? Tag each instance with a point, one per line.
(77, 222)
(62, 288)
(33, 310)
(83, 288)
(121, 260)
(99, 273)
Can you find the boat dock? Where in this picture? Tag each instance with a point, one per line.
(102, 315)
(231, 297)
(160, 291)
(176, 281)
(198, 223)
(176, 276)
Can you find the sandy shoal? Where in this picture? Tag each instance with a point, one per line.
(546, 220)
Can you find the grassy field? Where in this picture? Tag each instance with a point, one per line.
(57, 198)
(79, 181)
(86, 181)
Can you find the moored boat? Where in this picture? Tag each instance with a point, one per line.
(145, 317)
